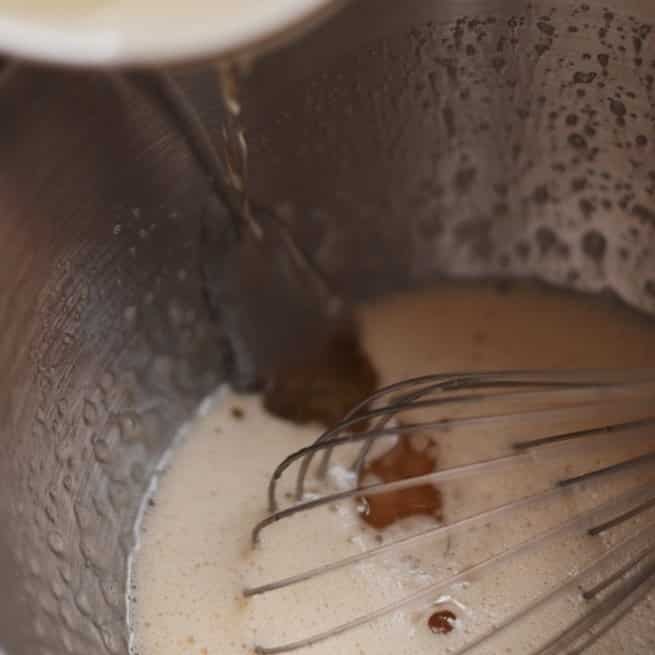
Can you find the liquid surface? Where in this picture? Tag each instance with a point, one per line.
(195, 556)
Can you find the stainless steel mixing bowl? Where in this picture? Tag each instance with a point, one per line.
(400, 141)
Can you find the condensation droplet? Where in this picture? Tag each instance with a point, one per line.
(130, 314)
(107, 381)
(68, 615)
(101, 450)
(62, 408)
(39, 630)
(56, 543)
(175, 314)
(46, 602)
(66, 639)
(110, 641)
(35, 566)
(68, 482)
(83, 604)
(58, 589)
(89, 413)
(66, 573)
(130, 427)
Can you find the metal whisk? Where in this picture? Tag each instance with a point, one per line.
(541, 417)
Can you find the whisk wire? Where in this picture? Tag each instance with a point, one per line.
(617, 603)
(451, 529)
(522, 453)
(572, 583)
(583, 522)
(595, 401)
(544, 380)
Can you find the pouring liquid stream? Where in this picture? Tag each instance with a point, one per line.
(235, 146)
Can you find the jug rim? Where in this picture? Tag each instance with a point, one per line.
(110, 36)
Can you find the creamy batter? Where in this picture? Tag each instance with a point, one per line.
(195, 556)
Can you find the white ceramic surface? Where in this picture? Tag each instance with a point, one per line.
(133, 32)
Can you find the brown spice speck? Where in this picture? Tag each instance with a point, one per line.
(405, 460)
(441, 622)
(238, 413)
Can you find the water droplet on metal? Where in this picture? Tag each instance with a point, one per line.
(66, 573)
(101, 450)
(107, 381)
(68, 482)
(89, 413)
(56, 543)
(83, 604)
(35, 566)
(130, 314)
